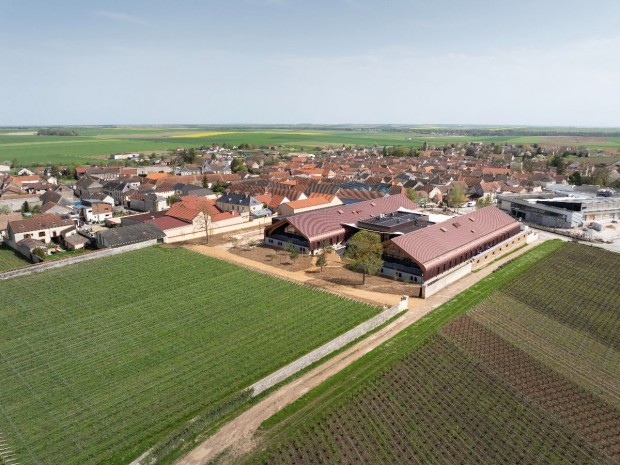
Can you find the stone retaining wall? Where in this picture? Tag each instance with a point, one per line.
(39, 267)
(326, 349)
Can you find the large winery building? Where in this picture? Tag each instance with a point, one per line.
(333, 226)
(426, 253)
(418, 247)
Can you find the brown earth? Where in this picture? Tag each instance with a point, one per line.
(238, 436)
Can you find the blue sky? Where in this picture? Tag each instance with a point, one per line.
(545, 62)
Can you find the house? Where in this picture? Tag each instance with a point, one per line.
(97, 212)
(314, 202)
(45, 228)
(25, 172)
(4, 222)
(142, 233)
(487, 189)
(118, 189)
(87, 186)
(240, 203)
(148, 202)
(187, 219)
(188, 170)
(27, 248)
(100, 197)
(56, 209)
(5, 167)
(76, 242)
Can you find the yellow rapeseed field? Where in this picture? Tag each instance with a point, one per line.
(202, 134)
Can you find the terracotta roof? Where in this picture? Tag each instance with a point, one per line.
(183, 212)
(39, 222)
(432, 243)
(314, 201)
(166, 222)
(5, 218)
(275, 201)
(223, 216)
(158, 175)
(101, 207)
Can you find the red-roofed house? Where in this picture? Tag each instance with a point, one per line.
(314, 202)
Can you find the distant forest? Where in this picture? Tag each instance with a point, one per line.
(56, 132)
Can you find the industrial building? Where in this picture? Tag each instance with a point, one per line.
(559, 212)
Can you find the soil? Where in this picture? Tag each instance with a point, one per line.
(239, 435)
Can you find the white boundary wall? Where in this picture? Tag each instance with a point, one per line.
(77, 259)
(326, 349)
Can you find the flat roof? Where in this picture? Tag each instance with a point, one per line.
(392, 219)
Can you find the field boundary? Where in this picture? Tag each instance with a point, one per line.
(237, 437)
(45, 266)
(328, 348)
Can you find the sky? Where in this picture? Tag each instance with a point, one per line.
(495, 62)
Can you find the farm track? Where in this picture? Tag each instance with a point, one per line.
(238, 436)
(373, 298)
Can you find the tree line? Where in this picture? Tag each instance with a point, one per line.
(56, 132)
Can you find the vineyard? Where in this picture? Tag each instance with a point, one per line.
(103, 360)
(523, 369)
(10, 260)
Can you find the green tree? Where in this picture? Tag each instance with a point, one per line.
(174, 198)
(292, 251)
(25, 207)
(5, 210)
(205, 181)
(483, 202)
(558, 163)
(455, 197)
(365, 250)
(413, 195)
(237, 165)
(575, 179)
(40, 252)
(321, 260)
(528, 165)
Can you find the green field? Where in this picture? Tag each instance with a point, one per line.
(10, 260)
(103, 360)
(524, 367)
(94, 145)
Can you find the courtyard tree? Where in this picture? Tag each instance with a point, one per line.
(455, 197)
(321, 260)
(413, 195)
(292, 251)
(483, 202)
(365, 250)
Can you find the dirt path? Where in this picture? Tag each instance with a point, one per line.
(374, 298)
(237, 436)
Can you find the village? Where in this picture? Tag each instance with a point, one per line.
(435, 209)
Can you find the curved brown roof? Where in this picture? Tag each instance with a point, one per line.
(440, 241)
(317, 225)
